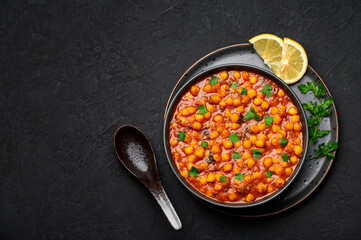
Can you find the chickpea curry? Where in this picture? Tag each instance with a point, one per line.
(236, 136)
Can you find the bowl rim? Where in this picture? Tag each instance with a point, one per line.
(196, 78)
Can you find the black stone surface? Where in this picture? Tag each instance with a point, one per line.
(71, 72)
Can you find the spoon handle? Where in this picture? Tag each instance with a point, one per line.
(167, 207)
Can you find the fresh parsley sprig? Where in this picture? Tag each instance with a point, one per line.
(319, 111)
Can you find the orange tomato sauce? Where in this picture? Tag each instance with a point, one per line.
(236, 136)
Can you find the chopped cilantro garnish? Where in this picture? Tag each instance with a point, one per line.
(202, 110)
(256, 153)
(285, 157)
(193, 172)
(236, 155)
(234, 138)
(181, 135)
(239, 176)
(269, 174)
(213, 80)
(251, 114)
(243, 91)
(268, 120)
(204, 144)
(284, 142)
(267, 90)
(223, 178)
(234, 85)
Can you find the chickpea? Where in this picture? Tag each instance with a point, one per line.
(289, 126)
(246, 144)
(214, 99)
(257, 175)
(247, 85)
(184, 173)
(284, 164)
(218, 187)
(227, 144)
(216, 149)
(174, 142)
(227, 167)
(298, 141)
(194, 90)
(216, 157)
(203, 180)
(253, 79)
(232, 196)
(191, 119)
(280, 93)
(236, 75)
(260, 143)
(211, 177)
(249, 197)
(276, 128)
(263, 137)
(229, 101)
(245, 99)
(295, 118)
(246, 155)
(275, 142)
(288, 171)
(270, 189)
(248, 178)
(199, 152)
(225, 87)
(245, 75)
(237, 102)
(188, 138)
(218, 118)
(214, 134)
(279, 170)
(235, 126)
(238, 144)
(189, 166)
(280, 182)
(225, 133)
(221, 93)
(192, 158)
(224, 75)
(220, 128)
(251, 93)
(192, 110)
(227, 113)
(203, 166)
(268, 144)
(225, 157)
(267, 162)
(257, 101)
(184, 112)
(253, 139)
(223, 103)
(294, 160)
(298, 150)
(254, 129)
(197, 126)
(265, 105)
(208, 88)
(292, 111)
(250, 163)
(277, 119)
(272, 168)
(188, 150)
(297, 127)
(283, 133)
(207, 115)
(274, 111)
(262, 188)
(234, 117)
(199, 117)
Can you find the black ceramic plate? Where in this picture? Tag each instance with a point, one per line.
(312, 172)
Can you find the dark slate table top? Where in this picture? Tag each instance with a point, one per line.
(73, 71)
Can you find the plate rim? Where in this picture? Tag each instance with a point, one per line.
(337, 130)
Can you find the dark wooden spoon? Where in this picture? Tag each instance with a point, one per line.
(136, 153)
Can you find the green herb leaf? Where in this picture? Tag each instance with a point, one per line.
(181, 135)
(234, 138)
(204, 144)
(268, 120)
(213, 80)
(243, 91)
(251, 114)
(303, 88)
(202, 110)
(256, 153)
(239, 176)
(223, 178)
(256, 117)
(285, 157)
(236, 155)
(269, 174)
(234, 85)
(267, 90)
(284, 142)
(193, 172)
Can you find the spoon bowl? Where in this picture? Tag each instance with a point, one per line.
(136, 153)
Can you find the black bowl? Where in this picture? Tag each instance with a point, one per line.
(209, 71)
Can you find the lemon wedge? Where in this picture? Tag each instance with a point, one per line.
(287, 58)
